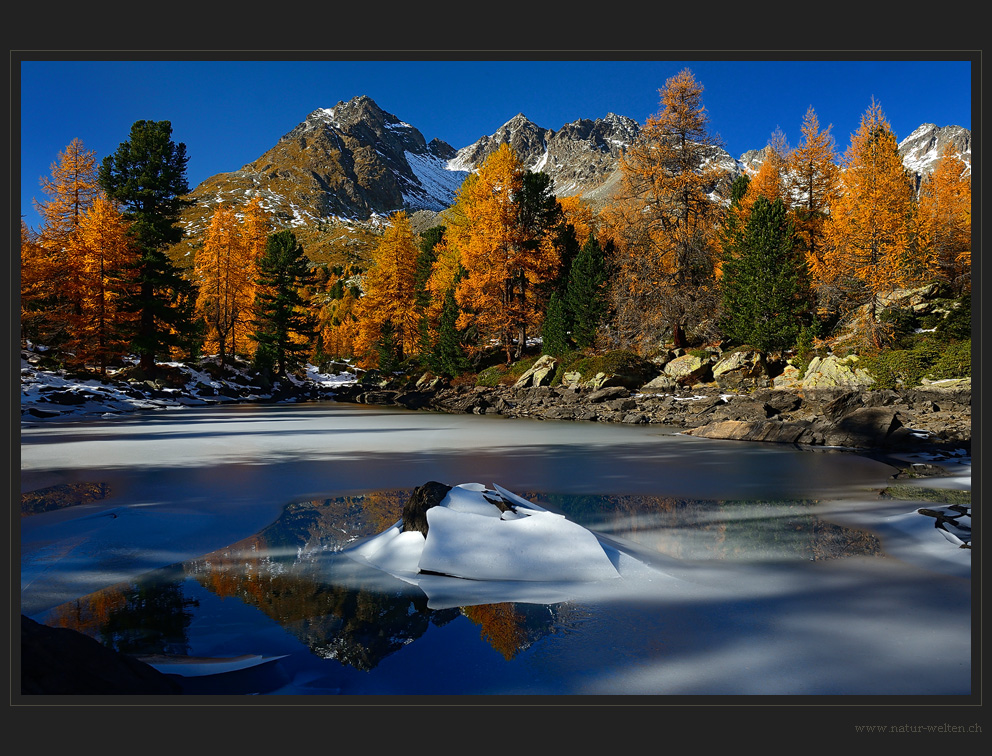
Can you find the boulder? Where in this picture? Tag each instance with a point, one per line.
(743, 408)
(778, 401)
(770, 431)
(833, 371)
(423, 498)
(742, 368)
(788, 378)
(662, 383)
(864, 427)
(689, 369)
(605, 394)
(540, 373)
(60, 661)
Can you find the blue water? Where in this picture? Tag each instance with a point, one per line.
(222, 531)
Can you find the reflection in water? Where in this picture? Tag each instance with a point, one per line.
(726, 530)
(146, 617)
(61, 496)
(293, 575)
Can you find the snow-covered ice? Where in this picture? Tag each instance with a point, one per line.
(468, 538)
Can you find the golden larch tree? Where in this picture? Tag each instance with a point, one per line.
(256, 225)
(106, 263)
(582, 216)
(769, 181)
(386, 311)
(71, 190)
(223, 274)
(34, 288)
(663, 223)
(869, 242)
(944, 221)
(813, 183)
(504, 260)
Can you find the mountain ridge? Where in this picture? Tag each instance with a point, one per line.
(355, 162)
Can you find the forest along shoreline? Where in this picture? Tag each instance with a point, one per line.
(734, 395)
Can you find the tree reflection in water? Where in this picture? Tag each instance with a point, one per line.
(150, 616)
(293, 573)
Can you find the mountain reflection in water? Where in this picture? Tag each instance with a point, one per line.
(293, 574)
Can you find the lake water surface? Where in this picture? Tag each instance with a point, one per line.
(218, 532)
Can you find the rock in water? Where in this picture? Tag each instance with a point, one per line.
(60, 661)
(423, 498)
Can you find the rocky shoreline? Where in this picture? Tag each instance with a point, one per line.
(935, 416)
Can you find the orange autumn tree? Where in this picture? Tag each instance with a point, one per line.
(222, 272)
(813, 182)
(769, 181)
(256, 225)
(506, 259)
(944, 221)
(34, 289)
(226, 270)
(664, 224)
(446, 270)
(106, 259)
(580, 214)
(71, 190)
(386, 314)
(869, 243)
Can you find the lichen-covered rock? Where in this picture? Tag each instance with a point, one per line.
(833, 371)
(662, 383)
(689, 369)
(539, 374)
(742, 369)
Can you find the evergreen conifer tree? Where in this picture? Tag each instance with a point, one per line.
(554, 333)
(584, 303)
(449, 357)
(283, 324)
(763, 291)
(146, 175)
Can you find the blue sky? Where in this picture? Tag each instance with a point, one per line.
(228, 112)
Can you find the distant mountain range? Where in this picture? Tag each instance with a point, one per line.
(355, 162)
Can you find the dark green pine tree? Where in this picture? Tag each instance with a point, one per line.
(765, 300)
(283, 321)
(554, 333)
(729, 230)
(567, 245)
(585, 302)
(147, 176)
(429, 239)
(448, 356)
(388, 348)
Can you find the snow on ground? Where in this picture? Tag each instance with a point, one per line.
(79, 397)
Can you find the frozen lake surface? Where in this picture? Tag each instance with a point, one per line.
(768, 570)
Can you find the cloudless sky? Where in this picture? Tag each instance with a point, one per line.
(229, 112)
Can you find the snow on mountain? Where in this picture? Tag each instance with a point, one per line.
(438, 183)
(922, 149)
(356, 161)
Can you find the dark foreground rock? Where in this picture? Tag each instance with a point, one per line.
(59, 661)
(423, 498)
(931, 416)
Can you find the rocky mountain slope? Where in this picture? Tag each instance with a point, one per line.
(922, 149)
(357, 162)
